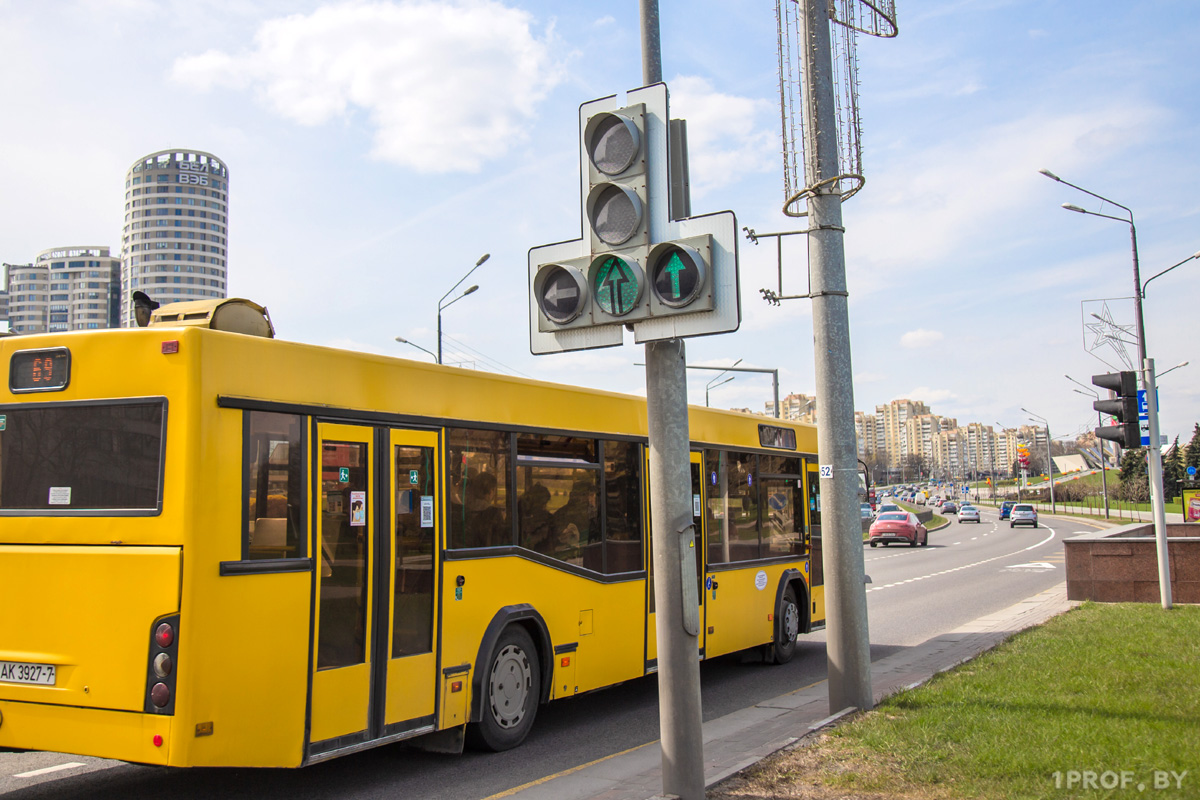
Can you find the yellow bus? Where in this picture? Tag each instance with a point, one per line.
(220, 549)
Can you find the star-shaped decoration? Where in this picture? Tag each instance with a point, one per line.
(1109, 334)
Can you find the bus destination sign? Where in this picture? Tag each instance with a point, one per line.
(39, 370)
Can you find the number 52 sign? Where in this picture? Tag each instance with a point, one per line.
(827, 470)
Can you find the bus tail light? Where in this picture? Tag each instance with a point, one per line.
(161, 666)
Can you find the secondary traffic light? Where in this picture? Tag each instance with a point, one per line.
(1123, 408)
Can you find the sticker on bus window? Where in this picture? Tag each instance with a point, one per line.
(358, 509)
(427, 511)
(696, 507)
(60, 495)
(414, 477)
(3, 421)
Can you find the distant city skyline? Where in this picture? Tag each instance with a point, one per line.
(380, 148)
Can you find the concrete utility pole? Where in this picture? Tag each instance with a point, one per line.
(676, 603)
(848, 641)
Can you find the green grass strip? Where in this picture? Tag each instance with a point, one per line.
(1110, 691)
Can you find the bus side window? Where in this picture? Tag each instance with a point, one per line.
(274, 518)
(479, 493)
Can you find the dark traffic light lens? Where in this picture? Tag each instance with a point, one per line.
(561, 295)
(613, 145)
(616, 214)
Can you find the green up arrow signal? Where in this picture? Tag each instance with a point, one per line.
(618, 285)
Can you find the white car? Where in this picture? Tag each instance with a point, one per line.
(968, 513)
(864, 510)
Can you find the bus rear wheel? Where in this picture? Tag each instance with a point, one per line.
(511, 689)
(787, 629)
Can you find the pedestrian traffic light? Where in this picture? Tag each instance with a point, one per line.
(1123, 408)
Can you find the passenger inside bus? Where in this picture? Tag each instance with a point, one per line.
(485, 520)
(536, 521)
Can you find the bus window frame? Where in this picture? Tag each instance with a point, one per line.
(805, 528)
(100, 512)
(302, 533)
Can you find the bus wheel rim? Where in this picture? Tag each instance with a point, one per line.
(510, 683)
(791, 621)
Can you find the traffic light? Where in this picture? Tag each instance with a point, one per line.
(634, 266)
(1123, 408)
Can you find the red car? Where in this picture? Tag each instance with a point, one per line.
(898, 526)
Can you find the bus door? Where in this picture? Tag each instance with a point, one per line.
(697, 501)
(346, 519)
(816, 564)
(409, 566)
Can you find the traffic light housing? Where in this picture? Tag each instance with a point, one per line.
(634, 267)
(1123, 408)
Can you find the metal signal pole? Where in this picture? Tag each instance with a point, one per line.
(676, 603)
(848, 642)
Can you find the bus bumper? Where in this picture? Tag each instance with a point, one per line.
(121, 735)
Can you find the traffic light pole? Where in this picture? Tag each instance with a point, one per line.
(1156, 486)
(674, 548)
(848, 641)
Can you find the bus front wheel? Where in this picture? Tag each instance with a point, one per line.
(511, 688)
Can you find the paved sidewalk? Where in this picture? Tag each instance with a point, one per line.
(740, 739)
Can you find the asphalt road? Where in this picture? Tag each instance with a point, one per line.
(967, 571)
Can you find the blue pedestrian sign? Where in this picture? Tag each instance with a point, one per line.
(1191, 471)
(1143, 418)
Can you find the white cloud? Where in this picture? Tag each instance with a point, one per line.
(940, 198)
(728, 136)
(928, 395)
(446, 86)
(920, 338)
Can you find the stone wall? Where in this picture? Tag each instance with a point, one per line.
(1121, 565)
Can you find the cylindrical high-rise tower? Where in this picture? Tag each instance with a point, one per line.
(173, 245)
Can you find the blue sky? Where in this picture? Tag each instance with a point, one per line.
(376, 150)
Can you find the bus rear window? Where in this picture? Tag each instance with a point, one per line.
(101, 458)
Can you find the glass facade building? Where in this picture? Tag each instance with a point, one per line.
(173, 244)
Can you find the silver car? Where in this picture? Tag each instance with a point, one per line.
(968, 513)
(1022, 514)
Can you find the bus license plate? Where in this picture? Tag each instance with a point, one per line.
(15, 672)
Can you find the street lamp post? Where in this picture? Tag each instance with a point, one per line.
(443, 305)
(1146, 370)
(1049, 463)
(714, 383)
(1016, 478)
(402, 340)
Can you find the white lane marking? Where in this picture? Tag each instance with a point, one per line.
(965, 566)
(1033, 566)
(47, 770)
